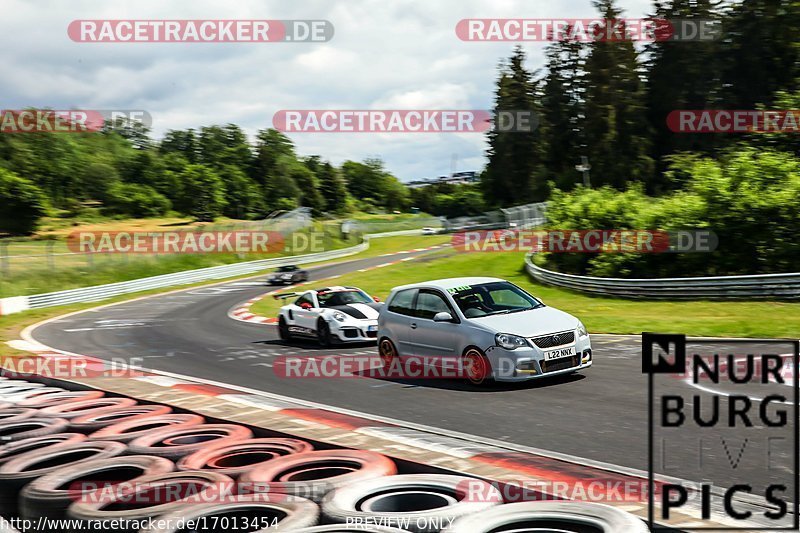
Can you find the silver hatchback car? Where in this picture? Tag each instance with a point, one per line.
(493, 328)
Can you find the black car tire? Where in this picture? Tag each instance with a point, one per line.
(324, 333)
(283, 330)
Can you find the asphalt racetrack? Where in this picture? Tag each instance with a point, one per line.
(600, 414)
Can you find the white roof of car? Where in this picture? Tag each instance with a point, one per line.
(449, 283)
(335, 288)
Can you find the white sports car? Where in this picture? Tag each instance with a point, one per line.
(332, 314)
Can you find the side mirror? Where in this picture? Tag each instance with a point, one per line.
(443, 317)
(376, 298)
(305, 305)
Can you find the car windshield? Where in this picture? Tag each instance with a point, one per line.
(333, 299)
(289, 268)
(498, 297)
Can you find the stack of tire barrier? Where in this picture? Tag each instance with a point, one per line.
(85, 456)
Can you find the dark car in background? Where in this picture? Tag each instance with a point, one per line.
(288, 274)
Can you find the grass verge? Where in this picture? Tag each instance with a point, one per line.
(12, 325)
(601, 315)
(33, 275)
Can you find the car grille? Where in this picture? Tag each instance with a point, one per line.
(560, 364)
(548, 341)
(372, 334)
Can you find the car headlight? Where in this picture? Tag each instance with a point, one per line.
(338, 315)
(509, 341)
(582, 330)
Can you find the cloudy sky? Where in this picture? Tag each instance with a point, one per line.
(386, 54)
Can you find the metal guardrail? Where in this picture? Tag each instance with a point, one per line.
(761, 286)
(102, 292)
(519, 217)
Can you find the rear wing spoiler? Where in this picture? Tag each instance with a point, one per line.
(285, 295)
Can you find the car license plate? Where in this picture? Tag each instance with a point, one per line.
(372, 328)
(558, 354)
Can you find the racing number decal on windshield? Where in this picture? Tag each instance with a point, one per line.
(455, 290)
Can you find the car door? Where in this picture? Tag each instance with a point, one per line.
(306, 318)
(397, 323)
(433, 340)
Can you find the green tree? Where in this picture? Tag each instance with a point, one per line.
(364, 180)
(759, 51)
(515, 172)
(23, 204)
(169, 183)
(308, 186)
(563, 111)
(204, 192)
(681, 75)
(98, 179)
(271, 147)
(395, 195)
(224, 146)
(331, 185)
(283, 193)
(135, 200)
(243, 197)
(183, 142)
(617, 136)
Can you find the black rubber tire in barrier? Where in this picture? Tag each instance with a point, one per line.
(24, 395)
(276, 514)
(72, 410)
(10, 383)
(7, 392)
(179, 442)
(107, 417)
(133, 429)
(26, 467)
(60, 398)
(236, 458)
(28, 428)
(313, 474)
(417, 502)
(152, 496)
(12, 414)
(50, 495)
(551, 515)
(12, 449)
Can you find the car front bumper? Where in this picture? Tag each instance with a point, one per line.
(366, 332)
(528, 363)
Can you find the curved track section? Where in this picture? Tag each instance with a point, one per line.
(600, 415)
